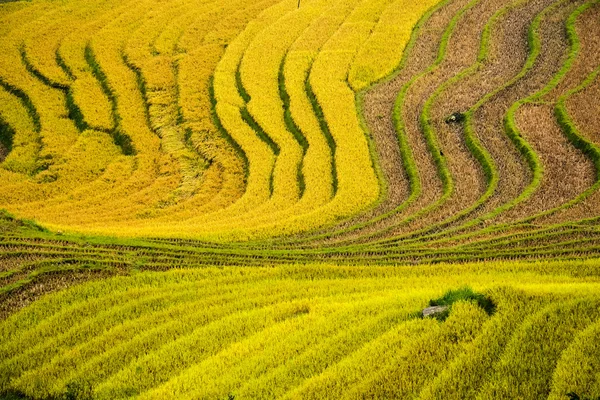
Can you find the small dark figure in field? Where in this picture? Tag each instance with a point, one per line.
(455, 118)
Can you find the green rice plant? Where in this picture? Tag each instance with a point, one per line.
(576, 371)
(85, 89)
(100, 359)
(377, 59)
(326, 322)
(329, 350)
(471, 140)
(525, 368)
(465, 294)
(423, 357)
(158, 81)
(222, 331)
(229, 100)
(407, 158)
(121, 139)
(288, 226)
(509, 122)
(408, 161)
(464, 376)
(9, 8)
(333, 382)
(534, 51)
(260, 74)
(157, 367)
(20, 135)
(285, 218)
(74, 113)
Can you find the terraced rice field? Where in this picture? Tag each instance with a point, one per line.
(256, 199)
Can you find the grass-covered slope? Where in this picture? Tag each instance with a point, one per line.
(314, 331)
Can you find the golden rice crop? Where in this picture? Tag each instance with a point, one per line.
(383, 51)
(312, 331)
(25, 141)
(132, 72)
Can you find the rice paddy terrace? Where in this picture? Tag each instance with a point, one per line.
(256, 198)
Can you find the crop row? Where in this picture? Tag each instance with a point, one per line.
(124, 74)
(326, 332)
(244, 123)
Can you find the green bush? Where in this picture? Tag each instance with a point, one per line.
(462, 294)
